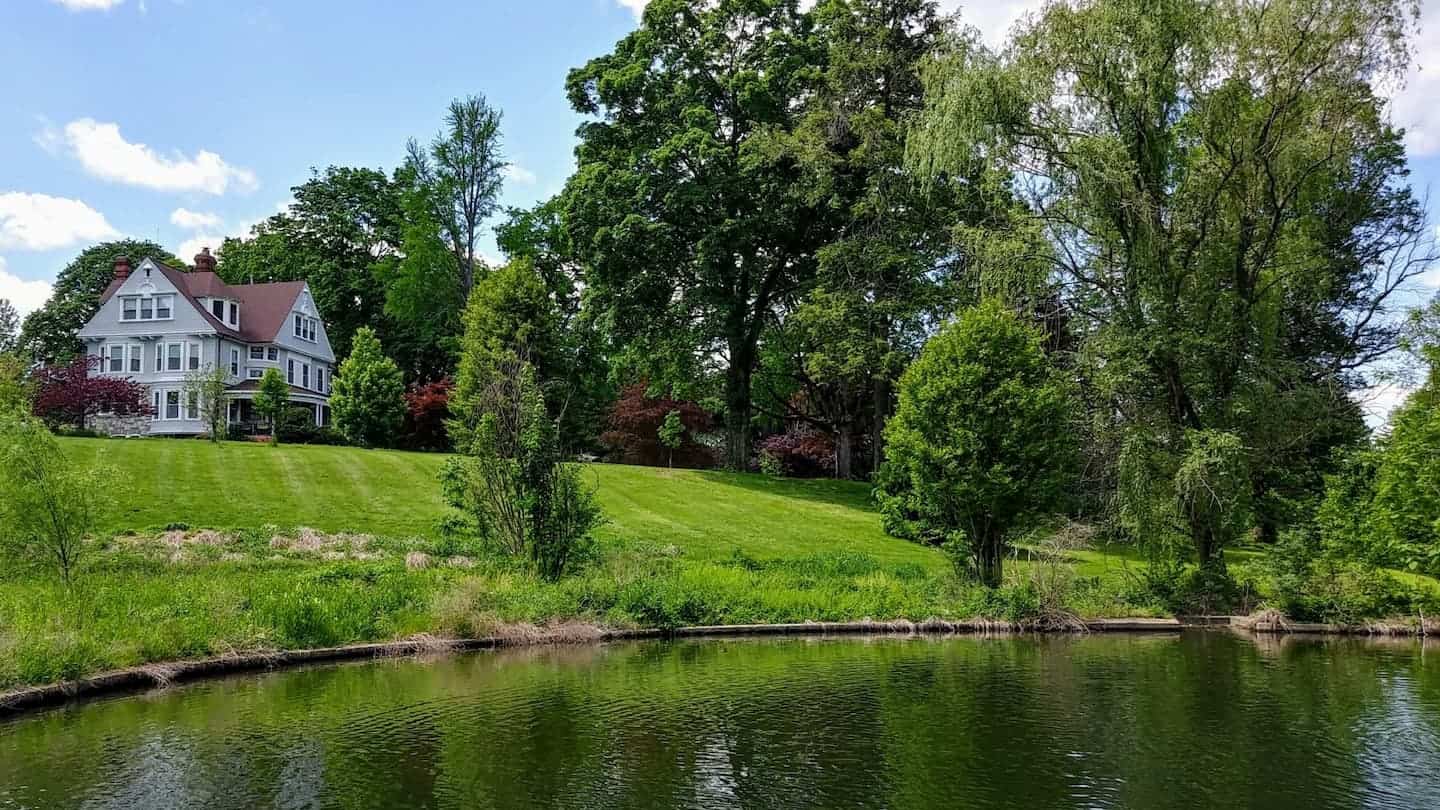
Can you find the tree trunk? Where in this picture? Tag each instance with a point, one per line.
(990, 559)
(881, 408)
(737, 412)
(1209, 550)
(844, 452)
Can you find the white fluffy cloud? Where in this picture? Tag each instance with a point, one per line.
(519, 174)
(105, 153)
(42, 222)
(190, 247)
(27, 296)
(88, 5)
(193, 220)
(1413, 106)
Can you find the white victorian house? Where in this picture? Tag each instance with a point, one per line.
(157, 325)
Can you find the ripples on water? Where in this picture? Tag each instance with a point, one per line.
(1190, 720)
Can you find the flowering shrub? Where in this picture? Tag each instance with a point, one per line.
(798, 453)
(71, 394)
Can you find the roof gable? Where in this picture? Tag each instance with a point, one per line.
(264, 308)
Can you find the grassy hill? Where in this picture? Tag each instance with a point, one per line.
(396, 494)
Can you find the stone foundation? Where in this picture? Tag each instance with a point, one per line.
(113, 425)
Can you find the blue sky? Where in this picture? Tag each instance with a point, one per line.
(185, 121)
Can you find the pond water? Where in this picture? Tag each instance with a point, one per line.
(1196, 719)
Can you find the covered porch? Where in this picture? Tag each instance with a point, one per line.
(242, 415)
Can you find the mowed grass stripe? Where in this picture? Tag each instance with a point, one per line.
(709, 515)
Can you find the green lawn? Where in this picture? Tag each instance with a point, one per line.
(384, 492)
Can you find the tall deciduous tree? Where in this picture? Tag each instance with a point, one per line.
(342, 222)
(368, 401)
(891, 270)
(48, 334)
(1225, 211)
(463, 172)
(687, 206)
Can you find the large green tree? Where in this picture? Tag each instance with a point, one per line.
(48, 334)
(687, 206)
(891, 269)
(342, 221)
(1225, 212)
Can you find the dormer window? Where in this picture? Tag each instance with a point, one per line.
(217, 308)
(234, 319)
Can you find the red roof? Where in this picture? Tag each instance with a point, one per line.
(264, 308)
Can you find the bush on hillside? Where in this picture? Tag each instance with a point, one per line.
(69, 395)
(799, 453)
(979, 446)
(635, 425)
(368, 400)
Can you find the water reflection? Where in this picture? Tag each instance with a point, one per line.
(1189, 720)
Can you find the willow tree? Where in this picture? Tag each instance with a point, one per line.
(687, 206)
(1225, 211)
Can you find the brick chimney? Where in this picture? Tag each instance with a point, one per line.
(204, 262)
(122, 268)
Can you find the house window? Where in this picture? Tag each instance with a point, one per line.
(137, 356)
(217, 308)
(256, 373)
(306, 328)
(172, 356)
(192, 406)
(117, 359)
(147, 309)
(172, 404)
(234, 362)
(272, 354)
(129, 309)
(257, 352)
(320, 379)
(155, 407)
(234, 314)
(194, 356)
(290, 372)
(304, 375)
(162, 307)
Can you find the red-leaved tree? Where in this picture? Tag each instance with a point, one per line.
(802, 452)
(72, 393)
(634, 430)
(427, 406)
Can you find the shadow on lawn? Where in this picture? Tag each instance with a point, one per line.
(851, 494)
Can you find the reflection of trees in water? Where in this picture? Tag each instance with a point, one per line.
(1204, 719)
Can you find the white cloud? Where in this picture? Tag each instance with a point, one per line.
(27, 296)
(42, 222)
(193, 220)
(1413, 106)
(519, 174)
(637, 7)
(105, 153)
(993, 17)
(190, 247)
(1379, 401)
(88, 5)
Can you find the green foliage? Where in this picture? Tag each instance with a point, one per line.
(423, 293)
(1221, 199)
(511, 484)
(15, 392)
(208, 388)
(672, 433)
(48, 334)
(271, 399)
(342, 219)
(510, 314)
(48, 505)
(979, 445)
(368, 400)
(1312, 580)
(688, 207)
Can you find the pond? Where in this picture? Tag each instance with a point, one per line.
(1194, 719)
